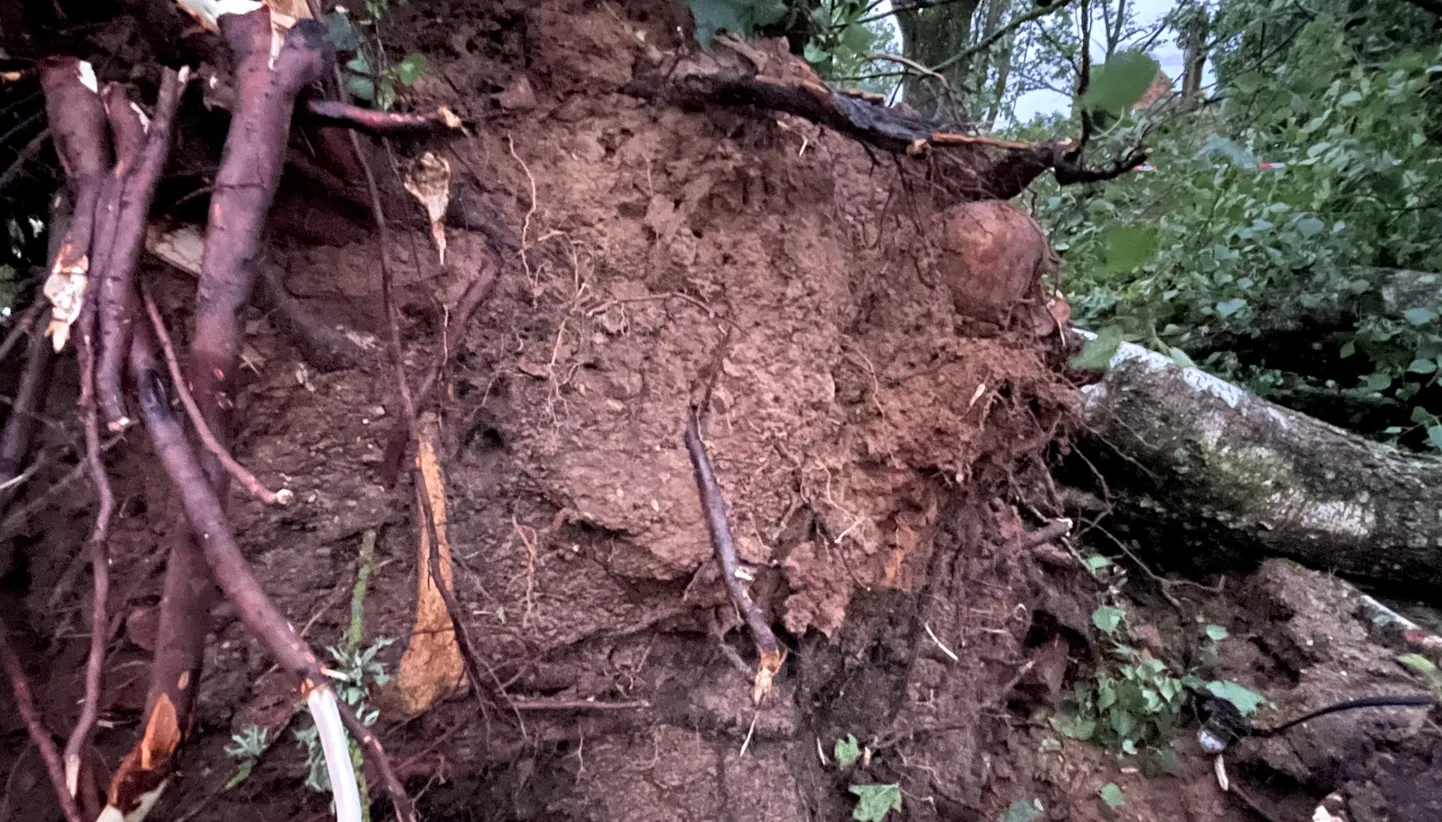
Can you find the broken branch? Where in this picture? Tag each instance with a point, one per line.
(714, 507)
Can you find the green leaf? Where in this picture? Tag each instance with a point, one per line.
(1419, 316)
(1350, 98)
(1096, 562)
(1107, 618)
(1434, 436)
(768, 12)
(1424, 668)
(1421, 366)
(1023, 810)
(412, 68)
(846, 752)
(874, 802)
(1228, 150)
(1180, 358)
(1227, 308)
(712, 16)
(1097, 354)
(1112, 796)
(857, 38)
(1129, 246)
(1120, 82)
(1216, 633)
(1377, 381)
(1167, 759)
(1310, 226)
(1076, 727)
(1246, 701)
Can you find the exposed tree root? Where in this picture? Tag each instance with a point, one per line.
(382, 123)
(737, 74)
(135, 180)
(731, 572)
(39, 737)
(228, 566)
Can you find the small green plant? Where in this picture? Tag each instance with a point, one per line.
(847, 751)
(1132, 702)
(359, 670)
(1111, 796)
(874, 802)
(246, 747)
(369, 77)
(1023, 810)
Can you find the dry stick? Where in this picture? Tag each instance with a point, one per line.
(239, 472)
(382, 123)
(116, 294)
(714, 507)
(228, 565)
(25, 705)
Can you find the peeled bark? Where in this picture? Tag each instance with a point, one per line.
(1184, 452)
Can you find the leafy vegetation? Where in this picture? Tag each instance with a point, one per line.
(359, 671)
(874, 802)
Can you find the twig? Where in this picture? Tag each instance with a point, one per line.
(23, 325)
(714, 508)
(382, 123)
(914, 66)
(241, 474)
(1035, 14)
(24, 156)
(1044, 534)
(575, 705)
(25, 706)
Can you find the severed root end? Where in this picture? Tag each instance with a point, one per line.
(765, 675)
(117, 425)
(284, 496)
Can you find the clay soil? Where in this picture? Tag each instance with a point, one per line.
(881, 432)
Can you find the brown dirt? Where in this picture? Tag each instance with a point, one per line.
(887, 386)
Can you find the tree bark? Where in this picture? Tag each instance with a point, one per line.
(928, 37)
(1183, 452)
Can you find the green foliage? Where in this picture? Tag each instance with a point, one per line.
(1120, 82)
(1111, 796)
(1108, 619)
(246, 747)
(1023, 810)
(874, 802)
(1245, 701)
(1216, 633)
(1424, 669)
(1201, 258)
(847, 751)
(367, 76)
(359, 671)
(739, 17)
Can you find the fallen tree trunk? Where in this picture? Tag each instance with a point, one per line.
(1182, 451)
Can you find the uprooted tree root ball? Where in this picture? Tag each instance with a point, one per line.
(632, 223)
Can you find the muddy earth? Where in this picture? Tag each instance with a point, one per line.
(887, 397)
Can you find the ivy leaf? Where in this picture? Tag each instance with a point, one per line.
(874, 802)
(1167, 759)
(410, 69)
(1107, 618)
(1097, 354)
(1421, 366)
(857, 38)
(846, 751)
(1227, 308)
(1310, 226)
(1434, 436)
(1120, 82)
(1246, 701)
(1419, 316)
(1023, 810)
(1129, 246)
(1216, 633)
(1112, 796)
